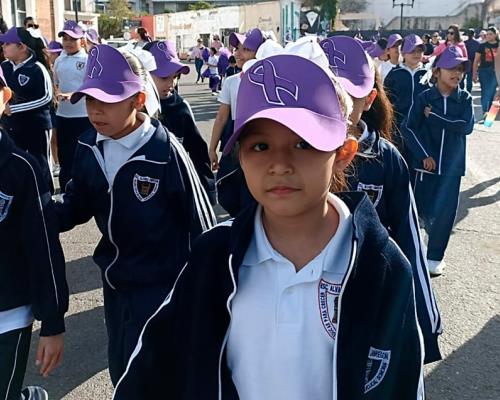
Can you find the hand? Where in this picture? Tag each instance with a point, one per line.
(214, 160)
(7, 110)
(427, 111)
(497, 96)
(475, 78)
(64, 96)
(429, 164)
(49, 353)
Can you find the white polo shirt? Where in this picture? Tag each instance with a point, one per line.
(229, 93)
(69, 73)
(283, 327)
(117, 152)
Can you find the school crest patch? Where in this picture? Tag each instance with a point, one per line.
(23, 79)
(376, 367)
(145, 187)
(374, 192)
(328, 301)
(80, 65)
(5, 202)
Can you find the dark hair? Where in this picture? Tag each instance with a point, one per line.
(148, 45)
(143, 34)
(493, 30)
(213, 49)
(27, 19)
(382, 43)
(456, 33)
(380, 116)
(471, 33)
(36, 45)
(427, 37)
(232, 60)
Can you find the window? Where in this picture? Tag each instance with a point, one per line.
(18, 8)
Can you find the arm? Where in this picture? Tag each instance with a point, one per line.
(475, 65)
(439, 49)
(411, 129)
(461, 126)
(223, 115)
(36, 93)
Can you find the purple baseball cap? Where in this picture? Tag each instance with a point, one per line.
(411, 42)
(71, 28)
(451, 57)
(92, 36)
(10, 36)
(294, 92)
(54, 47)
(349, 62)
(393, 40)
(109, 77)
(375, 50)
(364, 43)
(250, 40)
(167, 62)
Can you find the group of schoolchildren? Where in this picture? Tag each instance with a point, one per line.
(319, 286)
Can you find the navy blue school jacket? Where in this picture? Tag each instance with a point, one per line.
(181, 351)
(177, 117)
(403, 86)
(32, 94)
(148, 217)
(380, 171)
(441, 136)
(31, 258)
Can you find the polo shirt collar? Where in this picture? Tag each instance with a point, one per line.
(131, 140)
(17, 66)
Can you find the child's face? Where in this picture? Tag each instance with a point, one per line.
(70, 45)
(242, 55)
(450, 78)
(12, 51)
(283, 172)
(165, 85)
(114, 120)
(415, 57)
(394, 52)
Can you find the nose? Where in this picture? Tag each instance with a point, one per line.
(281, 163)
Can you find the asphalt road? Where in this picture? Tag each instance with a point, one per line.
(468, 292)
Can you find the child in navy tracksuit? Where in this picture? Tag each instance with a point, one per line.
(72, 120)
(27, 116)
(302, 296)
(435, 134)
(380, 171)
(175, 112)
(32, 278)
(136, 180)
(403, 84)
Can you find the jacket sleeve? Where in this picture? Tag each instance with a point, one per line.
(47, 279)
(198, 207)
(197, 149)
(36, 93)
(462, 126)
(412, 128)
(405, 231)
(74, 208)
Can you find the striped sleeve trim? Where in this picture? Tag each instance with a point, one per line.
(45, 99)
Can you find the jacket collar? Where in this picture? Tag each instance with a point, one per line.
(6, 147)
(156, 149)
(435, 94)
(367, 230)
(368, 142)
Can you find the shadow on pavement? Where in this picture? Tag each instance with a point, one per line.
(472, 372)
(85, 354)
(83, 275)
(468, 201)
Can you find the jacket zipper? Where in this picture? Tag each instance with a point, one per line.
(442, 138)
(346, 280)
(228, 306)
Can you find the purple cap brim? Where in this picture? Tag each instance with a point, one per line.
(408, 49)
(115, 91)
(10, 36)
(236, 38)
(173, 67)
(54, 50)
(452, 63)
(393, 40)
(375, 50)
(304, 123)
(71, 34)
(357, 86)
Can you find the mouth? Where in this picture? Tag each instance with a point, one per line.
(282, 190)
(99, 124)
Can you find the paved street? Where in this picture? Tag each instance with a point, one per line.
(468, 292)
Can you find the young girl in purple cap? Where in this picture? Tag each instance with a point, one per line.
(403, 84)
(138, 183)
(302, 296)
(176, 114)
(435, 133)
(27, 116)
(71, 119)
(380, 171)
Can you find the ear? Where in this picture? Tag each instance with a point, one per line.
(345, 154)
(139, 101)
(370, 99)
(6, 94)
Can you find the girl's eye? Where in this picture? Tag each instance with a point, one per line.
(303, 145)
(260, 147)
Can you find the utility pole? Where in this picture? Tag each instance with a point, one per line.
(402, 4)
(75, 6)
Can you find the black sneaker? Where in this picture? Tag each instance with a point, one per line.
(34, 393)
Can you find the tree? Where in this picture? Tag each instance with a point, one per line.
(352, 6)
(199, 5)
(111, 22)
